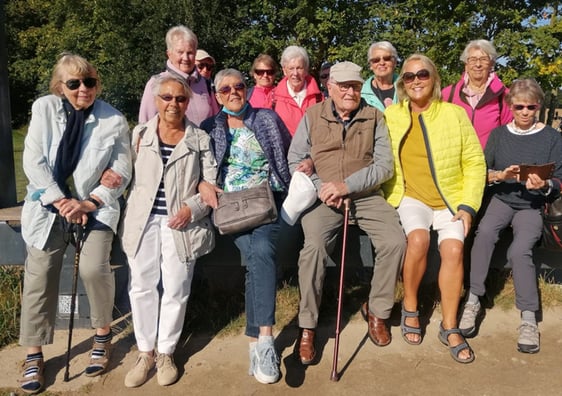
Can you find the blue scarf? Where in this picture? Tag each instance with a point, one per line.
(70, 145)
(237, 113)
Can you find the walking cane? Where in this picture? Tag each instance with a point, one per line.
(78, 242)
(335, 375)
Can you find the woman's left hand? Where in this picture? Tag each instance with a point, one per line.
(208, 193)
(534, 182)
(181, 219)
(75, 211)
(466, 219)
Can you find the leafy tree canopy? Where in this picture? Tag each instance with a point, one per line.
(125, 39)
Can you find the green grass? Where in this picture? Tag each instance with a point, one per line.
(10, 297)
(18, 137)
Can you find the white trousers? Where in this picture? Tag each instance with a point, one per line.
(157, 260)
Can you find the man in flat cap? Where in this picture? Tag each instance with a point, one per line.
(350, 148)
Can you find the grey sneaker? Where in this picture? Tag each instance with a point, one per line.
(167, 372)
(266, 363)
(252, 358)
(139, 373)
(529, 338)
(467, 324)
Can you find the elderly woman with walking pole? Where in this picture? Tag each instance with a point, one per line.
(72, 138)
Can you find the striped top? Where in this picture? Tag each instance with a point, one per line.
(159, 207)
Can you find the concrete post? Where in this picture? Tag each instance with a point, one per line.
(8, 196)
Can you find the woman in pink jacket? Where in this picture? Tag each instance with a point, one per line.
(480, 91)
(297, 91)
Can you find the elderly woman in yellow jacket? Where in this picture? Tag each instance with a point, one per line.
(438, 182)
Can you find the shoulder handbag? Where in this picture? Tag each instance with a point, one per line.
(552, 225)
(239, 211)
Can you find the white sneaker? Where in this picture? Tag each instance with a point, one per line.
(139, 373)
(167, 372)
(467, 324)
(529, 338)
(266, 363)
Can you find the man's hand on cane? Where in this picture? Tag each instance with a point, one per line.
(333, 193)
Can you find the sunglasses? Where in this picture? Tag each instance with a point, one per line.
(323, 76)
(261, 72)
(422, 75)
(228, 88)
(169, 98)
(74, 83)
(208, 66)
(520, 107)
(386, 58)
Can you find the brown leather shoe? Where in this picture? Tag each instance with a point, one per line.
(377, 328)
(306, 349)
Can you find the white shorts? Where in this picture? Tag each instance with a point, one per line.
(415, 215)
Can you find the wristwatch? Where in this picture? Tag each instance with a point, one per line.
(95, 202)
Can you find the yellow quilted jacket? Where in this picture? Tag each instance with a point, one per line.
(454, 153)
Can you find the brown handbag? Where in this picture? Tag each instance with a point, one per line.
(240, 211)
(552, 225)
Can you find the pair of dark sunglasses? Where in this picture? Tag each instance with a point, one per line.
(208, 66)
(169, 98)
(386, 58)
(74, 83)
(323, 76)
(227, 88)
(520, 107)
(261, 72)
(422, 75)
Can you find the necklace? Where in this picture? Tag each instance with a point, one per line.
(520, 131)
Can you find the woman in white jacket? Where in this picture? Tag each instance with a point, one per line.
(166, 226)
(72, 138)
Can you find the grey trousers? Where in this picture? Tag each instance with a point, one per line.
(41, 284)
(527, 228)
(321, 226)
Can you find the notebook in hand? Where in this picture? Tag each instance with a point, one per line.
(544, 171)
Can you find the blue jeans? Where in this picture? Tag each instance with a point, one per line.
(258, 248)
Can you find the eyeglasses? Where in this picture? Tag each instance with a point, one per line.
(474, 60)
(74, 83)
(228, 88)
(169, 98)
(344, 86)
(422, 75)
(520, 107)
(323, 76)
(208, 66)
(261, 72)
(386, 58)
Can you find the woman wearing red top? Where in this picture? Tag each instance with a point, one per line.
(264, 70)
(297, 91)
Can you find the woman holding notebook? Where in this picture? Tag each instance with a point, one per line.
(517, 200)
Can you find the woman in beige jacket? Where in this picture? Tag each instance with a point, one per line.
(166, 226)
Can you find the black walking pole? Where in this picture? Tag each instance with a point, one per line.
(78, 242)
(335, 375)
